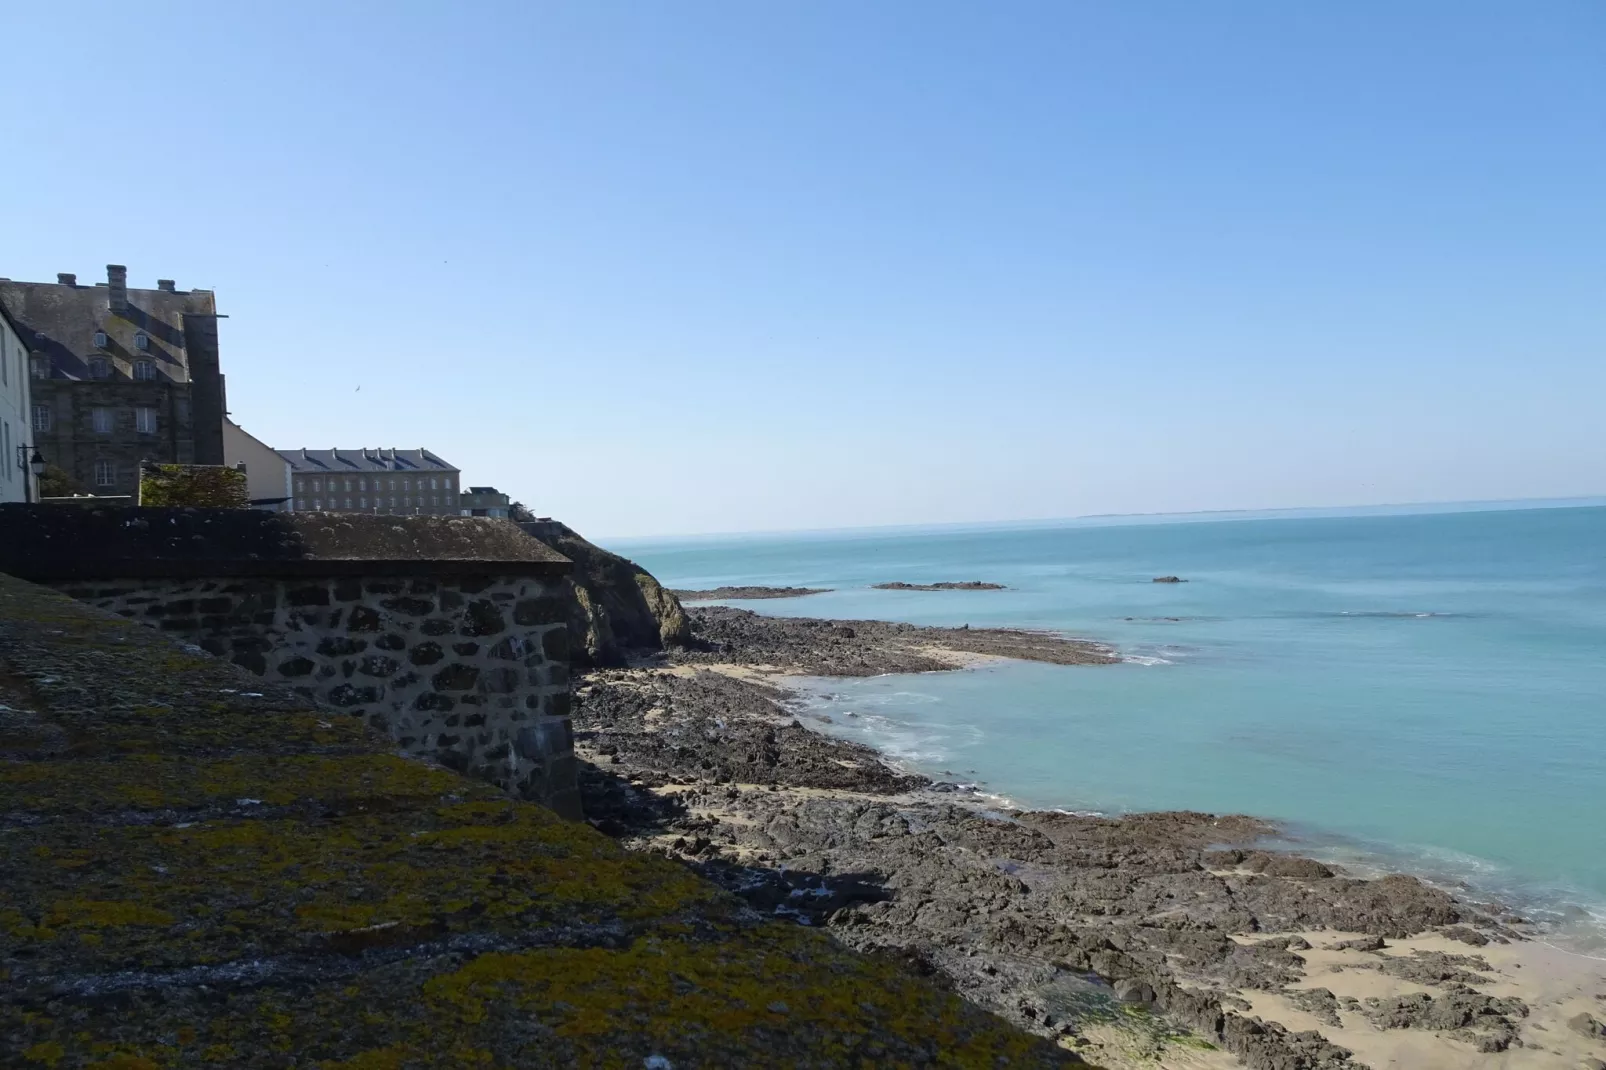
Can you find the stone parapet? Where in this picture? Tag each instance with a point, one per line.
(450, 634)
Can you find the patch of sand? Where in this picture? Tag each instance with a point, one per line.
(1555, 984)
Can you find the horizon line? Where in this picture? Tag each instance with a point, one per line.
(1196, 515)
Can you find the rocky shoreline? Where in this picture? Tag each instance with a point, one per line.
(1165, 939)
(965, 585)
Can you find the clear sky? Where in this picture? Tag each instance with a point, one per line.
(664, 267)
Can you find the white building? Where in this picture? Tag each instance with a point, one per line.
(267, 475)
(18, 481)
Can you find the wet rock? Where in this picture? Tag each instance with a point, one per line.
(1587, 1025)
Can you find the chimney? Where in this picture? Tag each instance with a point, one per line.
(66, 278)
(116, 287)
(166, 284)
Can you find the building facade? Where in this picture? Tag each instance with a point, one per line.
(268, 480)
(484, 501)
(119, 376)
(397, 482)
(17, 481)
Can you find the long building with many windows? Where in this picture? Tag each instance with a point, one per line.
(401, 482)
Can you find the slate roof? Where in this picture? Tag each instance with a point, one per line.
(305, 461)
(60, 320)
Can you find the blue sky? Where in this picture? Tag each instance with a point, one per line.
(666, 268)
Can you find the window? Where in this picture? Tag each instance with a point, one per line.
(100, 339)
(434, 499)
(348, 487)
(142, 340)
(105, 473)
(41, 417)
(348, 500)
(363, 502)
(317, 503)
(144, 371)
(393, 487)
(41, 367)
(145, 420)
(393, 500)
(434, 484)
(315, 485)
(101, 420)
(362, 484)
(408, 502)
(99, 368)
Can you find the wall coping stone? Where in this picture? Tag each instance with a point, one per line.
(45, 543)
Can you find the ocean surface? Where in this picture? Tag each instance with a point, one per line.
(1422, 692)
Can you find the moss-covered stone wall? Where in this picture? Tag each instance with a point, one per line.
(470, 671)
(199, 869)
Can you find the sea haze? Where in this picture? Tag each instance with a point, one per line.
(1423, 692)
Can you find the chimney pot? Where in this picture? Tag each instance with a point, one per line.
(66, 278)
(166, 284)
(116, 287)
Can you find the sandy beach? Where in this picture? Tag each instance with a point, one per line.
(1153, 940)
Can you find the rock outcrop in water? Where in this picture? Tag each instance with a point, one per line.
(619, 608)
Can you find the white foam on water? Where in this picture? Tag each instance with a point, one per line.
(1144, 659)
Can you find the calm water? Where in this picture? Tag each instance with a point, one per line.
(1423, 691)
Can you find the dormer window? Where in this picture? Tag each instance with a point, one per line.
(100, 339)
(100, 368)
(142, 340)
(144, 371)
(41, 367)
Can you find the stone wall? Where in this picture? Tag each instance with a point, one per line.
(471, 671)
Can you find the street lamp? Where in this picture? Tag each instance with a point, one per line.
(34, 464)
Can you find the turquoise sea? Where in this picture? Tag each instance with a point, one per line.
(1424, 692)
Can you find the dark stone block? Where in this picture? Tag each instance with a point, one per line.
(215, 605)
(556, 644)
(512, 648)
(253, 643)
(473, 700)
(384, 587)
(474, 584)
(217, 622)
(347, 695)
(557, 674)
(252, 661)
(158, 610)
(431, 701)
(424, 587)
(307, 596)
(339, 646)
(265, 619)
(499, 681)
(546, 610)
(334, 618)
(214, 645)
(454, 760)
(347, 668)
(455, 678)
(348, 590)
(557, 704)
(446, 740)
(181, 624)
(483, 618)
(450, 600)
(326, 672)
(390, 641)
(426, 654)
(466, 650)
(378, 665)
(406, 679)
(412, 607)
(454, 720)
(363, 619)
(474, 720)
(501, 596)
(182, 605)
(435, 626)
(296, 667)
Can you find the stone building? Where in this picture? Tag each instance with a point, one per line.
(17, 481)
(396, 482)
(484, 501)
(119, 375)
